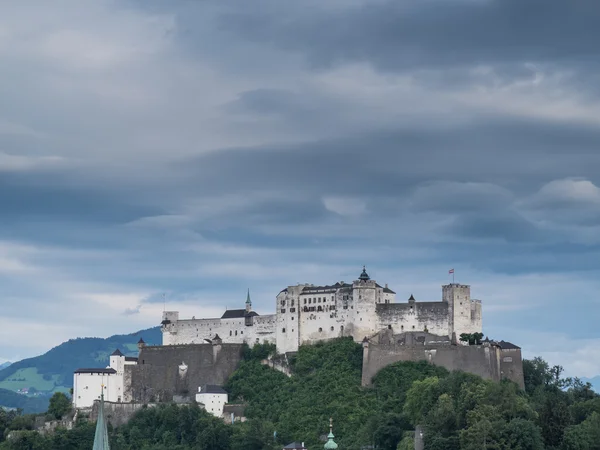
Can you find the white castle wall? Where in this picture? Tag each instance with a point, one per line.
(195, 331)
(307, 314)
(87, 385)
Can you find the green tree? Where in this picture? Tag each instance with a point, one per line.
(60, 405)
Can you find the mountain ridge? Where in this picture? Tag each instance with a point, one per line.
(41, 376)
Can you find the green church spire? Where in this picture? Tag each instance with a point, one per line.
(330, 444)
(101, 437)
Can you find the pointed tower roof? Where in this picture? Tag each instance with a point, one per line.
(117, 352)
(364, 276)
(248, 301)
(330, 444)
(141, 341)
(101, 436)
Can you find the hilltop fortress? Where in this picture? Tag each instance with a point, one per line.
(200, 352)
(306, 314)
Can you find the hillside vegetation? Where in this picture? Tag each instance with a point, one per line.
(53, 371)
(458, 411)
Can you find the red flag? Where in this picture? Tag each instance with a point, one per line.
(451, 271)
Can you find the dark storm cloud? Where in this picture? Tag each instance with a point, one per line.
(46, 197)
(522, 155)
(397, 35)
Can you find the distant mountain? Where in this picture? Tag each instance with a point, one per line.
(5, 365)
(39, 377)
(595, 382)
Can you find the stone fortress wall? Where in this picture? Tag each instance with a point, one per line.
(166, 372)
(490, 360)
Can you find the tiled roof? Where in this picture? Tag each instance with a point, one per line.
(296, 445)
(96, 370)
(117, 352)
(212, 389)
(508, 345)
(237, 313)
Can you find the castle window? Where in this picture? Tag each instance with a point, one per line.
(320, 330)
(413, 327)
(401, 327)
(236, 332)
(309, 301)
(283, 330)
(305, 301)
(241, 332)
(331, 328)
(292, 317)
(389, 327)
(319, 299)
(283, 311)
(230, 333)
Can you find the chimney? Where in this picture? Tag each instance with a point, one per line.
(386, 285)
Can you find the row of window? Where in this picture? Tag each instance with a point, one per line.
(231, 333)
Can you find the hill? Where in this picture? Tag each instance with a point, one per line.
(595, 382)
(457, 411)
(5, 365)
(43, 375)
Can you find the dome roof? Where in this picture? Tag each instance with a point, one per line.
(364, 276)
(330, 444)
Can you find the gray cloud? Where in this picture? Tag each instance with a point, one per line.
(403, 35)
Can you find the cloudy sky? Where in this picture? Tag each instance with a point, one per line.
(198, 149)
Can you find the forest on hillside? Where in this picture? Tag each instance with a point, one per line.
(457, 411)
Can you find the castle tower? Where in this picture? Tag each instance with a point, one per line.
(464, 314)
(141, 344)
(364, 293)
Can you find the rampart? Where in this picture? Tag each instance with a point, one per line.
(117, 414)
(163, 372)
(490, 360)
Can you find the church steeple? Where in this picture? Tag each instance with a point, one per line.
(330, 444)
(101, 436)
(248, 302)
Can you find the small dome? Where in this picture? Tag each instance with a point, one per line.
(364, 276)
(330, 444)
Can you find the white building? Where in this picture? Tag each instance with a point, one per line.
(213, 398)
(306, 313)
(89, 383)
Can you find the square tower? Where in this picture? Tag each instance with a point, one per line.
(462, 311)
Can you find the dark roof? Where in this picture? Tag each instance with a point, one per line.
(237, 313)
(212, 389)
(388, 290)
(96, 371)
(412, 298)
(297, 445)
(237, 409)
(165, 322)
(508, 345)
(141, 341)
(117, 352)
(364, 276)
(130, 358)
(331, 287)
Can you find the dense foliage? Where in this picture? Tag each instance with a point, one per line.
(455, 410)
